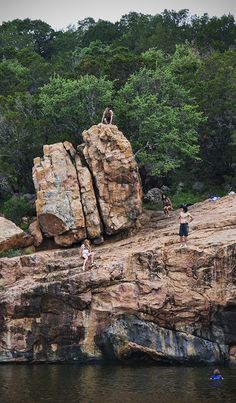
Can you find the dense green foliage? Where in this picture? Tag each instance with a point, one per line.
(17, 207)
(170, 79)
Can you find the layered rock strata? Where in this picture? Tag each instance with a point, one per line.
(145, 298)
(87, 193)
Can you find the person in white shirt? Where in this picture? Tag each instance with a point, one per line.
(86, 253)
(184, 219)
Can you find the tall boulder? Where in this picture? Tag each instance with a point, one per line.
(87, 192)
(58, 205)
(109, 156)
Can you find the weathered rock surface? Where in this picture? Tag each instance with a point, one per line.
(35, 232)
(154, 195)
(115, 172)
(58, 205)
(86, 193)
(144, 298)
(12, 236)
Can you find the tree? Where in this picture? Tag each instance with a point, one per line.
(160, 120)
(21, 137)
(74, 105)
(215, 90)
(20, 34)
(209, 34)
(13, 77)
(116, 63)
(38, 69)
(89, 31)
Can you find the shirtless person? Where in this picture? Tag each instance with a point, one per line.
(107, 117)
(86, 253)
(184, 219)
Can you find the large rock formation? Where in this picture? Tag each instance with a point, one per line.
(145, 298)
(87, 193)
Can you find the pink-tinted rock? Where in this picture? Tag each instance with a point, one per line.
(58, 203)
(90, 192)
(115, 172)
(144, 297)
(35, 232)
(11, 236)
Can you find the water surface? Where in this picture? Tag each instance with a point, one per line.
(114, 384)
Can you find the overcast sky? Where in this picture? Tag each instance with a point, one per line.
(61, 13)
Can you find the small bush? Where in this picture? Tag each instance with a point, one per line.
(24, 226)
(17, 207)
(11, 253)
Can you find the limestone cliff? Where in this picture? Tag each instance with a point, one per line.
(145, 297)
(91, 192)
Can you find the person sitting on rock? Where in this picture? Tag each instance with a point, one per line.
(108, 116)
(86, 253)
(184, 219)
(167, 205)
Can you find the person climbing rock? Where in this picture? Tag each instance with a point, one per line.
(108, 116)
(86, 253)
(184, 219)
(167, 205)
(216, 375)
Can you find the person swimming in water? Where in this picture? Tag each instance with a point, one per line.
(216, 375)
(86, 253)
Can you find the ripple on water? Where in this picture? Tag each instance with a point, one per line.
(114, 384)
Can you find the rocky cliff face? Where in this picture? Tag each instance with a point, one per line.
(90, 192)
(144, 298)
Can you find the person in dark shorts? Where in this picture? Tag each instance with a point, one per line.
(184, 219)
(108, 116)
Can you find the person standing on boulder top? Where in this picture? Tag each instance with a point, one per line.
(184, 219)
(108, 116)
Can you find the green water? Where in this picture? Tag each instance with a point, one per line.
(113, 384)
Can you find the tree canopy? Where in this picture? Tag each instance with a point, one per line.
(169, 77)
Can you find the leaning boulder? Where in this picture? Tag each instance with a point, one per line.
(58, 203)
(12, 237)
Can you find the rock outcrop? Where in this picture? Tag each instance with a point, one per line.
(12, 236)
(90, 192)
(144, 298)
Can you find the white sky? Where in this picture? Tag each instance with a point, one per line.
(61, 13)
